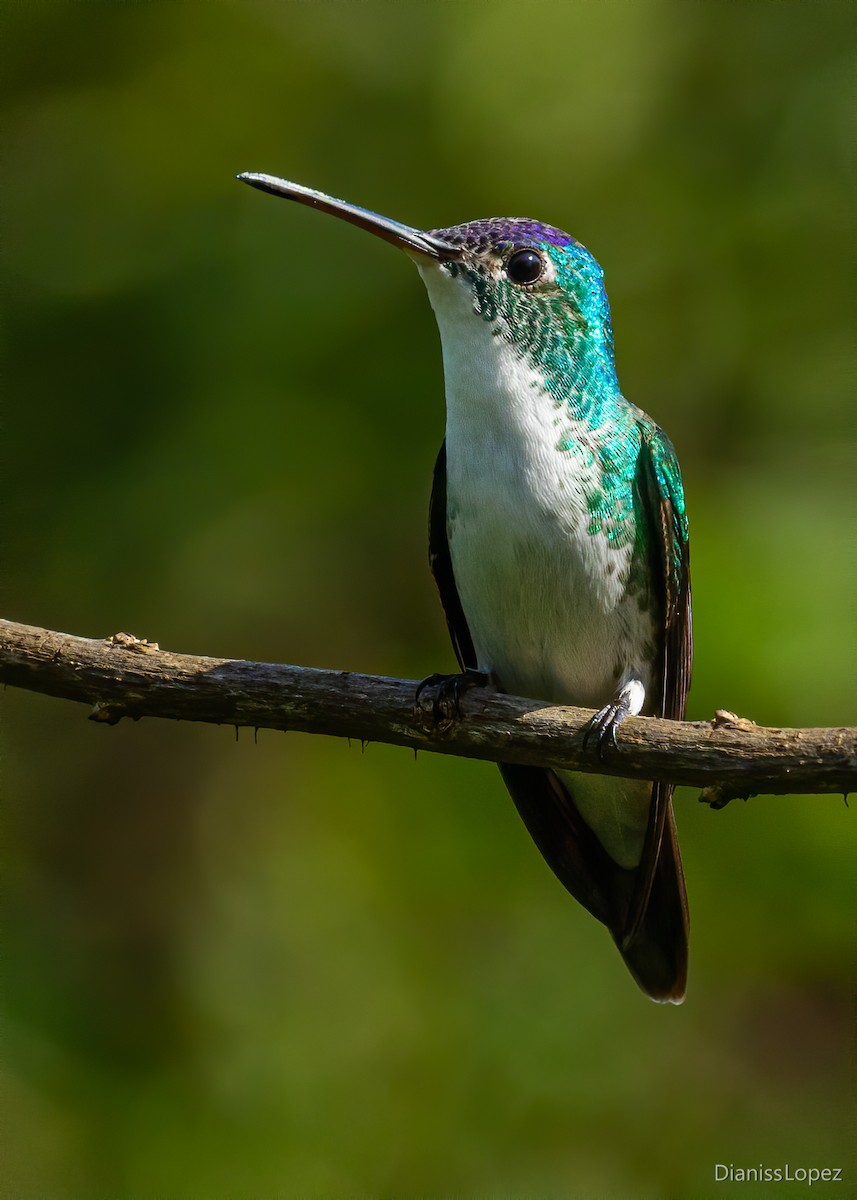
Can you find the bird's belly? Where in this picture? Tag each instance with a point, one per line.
(545, 629)
(547, 606)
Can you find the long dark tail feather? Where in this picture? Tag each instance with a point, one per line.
(656, 952)
(652, 939)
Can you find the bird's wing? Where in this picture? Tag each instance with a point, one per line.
(441, 567)
(662, 498)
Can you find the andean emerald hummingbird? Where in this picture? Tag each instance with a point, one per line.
(558, 541)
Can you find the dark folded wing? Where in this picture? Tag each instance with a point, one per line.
(441, 567)
(662, 499)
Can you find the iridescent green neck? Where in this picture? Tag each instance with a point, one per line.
(565, 335)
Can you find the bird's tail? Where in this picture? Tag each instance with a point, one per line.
(645, 908)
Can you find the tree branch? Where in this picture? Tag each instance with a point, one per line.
(123, 676)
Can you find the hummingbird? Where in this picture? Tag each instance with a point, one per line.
(558, 540)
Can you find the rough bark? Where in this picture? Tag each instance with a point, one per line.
(123, 676)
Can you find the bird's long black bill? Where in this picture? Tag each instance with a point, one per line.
(400, 235)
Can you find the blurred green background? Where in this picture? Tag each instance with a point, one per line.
(286, 968)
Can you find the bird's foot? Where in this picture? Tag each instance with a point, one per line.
(447, 693)
(605, 724)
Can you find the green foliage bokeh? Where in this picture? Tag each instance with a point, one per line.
(283, 967)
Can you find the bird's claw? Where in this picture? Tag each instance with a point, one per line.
(605, 724)
(448, 691)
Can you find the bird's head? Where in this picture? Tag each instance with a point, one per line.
(536, 287)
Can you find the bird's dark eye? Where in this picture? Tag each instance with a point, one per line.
(525, 266)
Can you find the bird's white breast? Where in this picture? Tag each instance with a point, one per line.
(545, 601)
